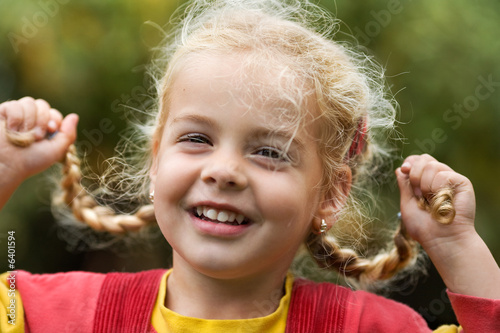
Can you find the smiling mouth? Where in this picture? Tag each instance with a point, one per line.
(211, 214)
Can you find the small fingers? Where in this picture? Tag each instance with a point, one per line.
(28, 116)
(29, 113)
(421, 171)
(434, 177)
(405, 188)
(42, 118)
(13, 114)
(55, 120)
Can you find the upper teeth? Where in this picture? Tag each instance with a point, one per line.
(219, 215)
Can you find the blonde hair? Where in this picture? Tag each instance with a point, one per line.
(349, 87)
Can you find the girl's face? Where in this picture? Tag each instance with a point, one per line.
(231, 197)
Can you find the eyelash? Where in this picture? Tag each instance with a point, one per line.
(197, 138)
(271, 153)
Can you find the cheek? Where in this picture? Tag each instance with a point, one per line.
(289, 200)
(173, 179)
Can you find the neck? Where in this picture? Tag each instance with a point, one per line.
(194, 294)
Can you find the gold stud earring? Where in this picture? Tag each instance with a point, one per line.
(152, 196)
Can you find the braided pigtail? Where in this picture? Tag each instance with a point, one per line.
(385, 265)
(440, 205)
(87, 210)
(20, 139)
(83, 206)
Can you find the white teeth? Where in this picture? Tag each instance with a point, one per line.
(211, 214)
(222, 216)
(219, 215)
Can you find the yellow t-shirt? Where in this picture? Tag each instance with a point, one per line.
(167, 321)
(11, 310)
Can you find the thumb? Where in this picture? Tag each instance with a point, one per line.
(42, 154)
(405, 188)
(68, 127)
(65, 136)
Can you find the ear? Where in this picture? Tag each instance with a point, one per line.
(154, 165)
(334, 199)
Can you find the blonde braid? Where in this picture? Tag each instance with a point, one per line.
(21, 139)
(83, 206)
(383, 266)
(440, 205)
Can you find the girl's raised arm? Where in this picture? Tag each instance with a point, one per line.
(463, 260)
(42, 131)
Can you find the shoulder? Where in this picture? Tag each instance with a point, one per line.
(70, 284)
(63, 295)
(83, 281)
(27, 277)
(373, 312)
(71, 300)
(360, 311)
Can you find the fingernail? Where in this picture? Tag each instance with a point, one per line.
(406, 165)
(52, 125)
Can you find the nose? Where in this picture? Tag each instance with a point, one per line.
(225, 173)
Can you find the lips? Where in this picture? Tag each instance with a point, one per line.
(212, 214)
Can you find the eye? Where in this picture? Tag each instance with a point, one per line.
(272, 153)
(197, 138)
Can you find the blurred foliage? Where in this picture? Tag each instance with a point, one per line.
(89, 58)
(438, 56)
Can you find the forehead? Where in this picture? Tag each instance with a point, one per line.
(251, 80)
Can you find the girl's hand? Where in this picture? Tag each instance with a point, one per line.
(35, 119)
(461, 257)
(423, 176)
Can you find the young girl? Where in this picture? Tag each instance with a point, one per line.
(265, 134)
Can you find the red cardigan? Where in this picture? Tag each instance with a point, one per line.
(93, 302)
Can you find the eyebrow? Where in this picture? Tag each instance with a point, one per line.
(261, 132)
(196, 118)
(288, 136)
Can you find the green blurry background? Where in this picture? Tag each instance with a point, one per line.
(442, 60)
